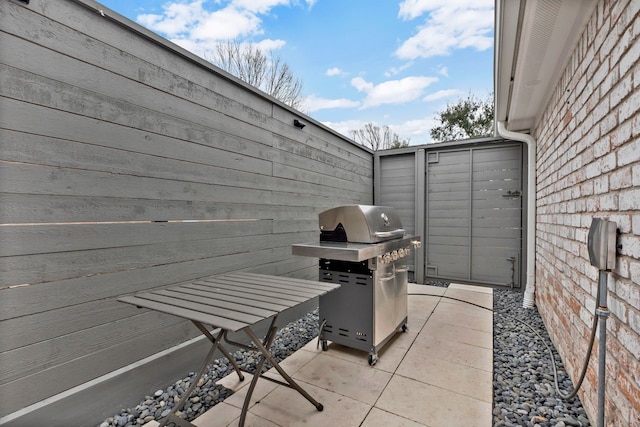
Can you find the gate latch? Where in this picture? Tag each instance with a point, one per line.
(512, 193)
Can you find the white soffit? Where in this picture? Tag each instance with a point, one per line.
(546, 37)
(506, 37)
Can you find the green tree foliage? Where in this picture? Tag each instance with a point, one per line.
(266, 72)
(468, 118)
(378, 138)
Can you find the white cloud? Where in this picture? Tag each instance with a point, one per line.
(258, 6)
(267, 45)
(345, 127)
(416, 131)
(441, 94)
(199, 49)
(227, 23)
(206, 48)
(335, 71)
(443, 71)
(197, 28)
(411, 9)
(361, 84)
(176, 19)
(397, 70)
(315, 103)
(392, 91)
(450, 25)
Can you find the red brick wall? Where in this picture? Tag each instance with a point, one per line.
(589, 166)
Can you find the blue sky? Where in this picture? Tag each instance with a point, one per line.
(394, 63)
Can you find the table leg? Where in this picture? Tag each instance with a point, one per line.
(233, 362)
(222, 349)
(194, 383)
(266, 354)
(268, 340)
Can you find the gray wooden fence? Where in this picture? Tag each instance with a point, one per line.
(127, 163)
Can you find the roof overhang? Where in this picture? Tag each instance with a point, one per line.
(533, 42)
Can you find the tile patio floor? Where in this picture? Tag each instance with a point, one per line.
(437, 374)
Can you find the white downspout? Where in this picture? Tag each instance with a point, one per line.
(530, 289)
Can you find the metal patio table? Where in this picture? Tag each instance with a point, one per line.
(233, 302)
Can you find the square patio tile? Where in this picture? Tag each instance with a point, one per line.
(463, 307)
(389, 356)
(219, 416)
(232, 382)
(403, 339)
(462, 379)
(433, 406)
(447, 332)
(480, 298)
(287, 408)
(465, 316)
(346, 353)
(414, 288)
(415, 322)
(355, 380)
(292, 364)
(263, 388)
(252, 420)
(313, 346)
(421, 307)
(380, 418)
(473, 288)
(456, 352)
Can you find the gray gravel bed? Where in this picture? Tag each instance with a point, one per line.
(523, 386)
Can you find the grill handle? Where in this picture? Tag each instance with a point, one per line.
(389, 234)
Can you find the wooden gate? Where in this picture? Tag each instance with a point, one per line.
(465, 199)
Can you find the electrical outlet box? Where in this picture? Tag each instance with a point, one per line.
(602, 244)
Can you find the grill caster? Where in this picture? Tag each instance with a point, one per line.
(405, 327)
(324, 345)
(372, 359)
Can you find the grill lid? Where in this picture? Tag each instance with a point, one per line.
(360, 224)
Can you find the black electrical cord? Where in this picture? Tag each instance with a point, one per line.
(553, 360)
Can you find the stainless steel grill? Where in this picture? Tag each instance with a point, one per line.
(365, 249)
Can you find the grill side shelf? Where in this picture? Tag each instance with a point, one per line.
(350, 251)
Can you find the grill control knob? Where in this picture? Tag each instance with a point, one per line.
(401, 253)
(407, 251)
(394, 255)
(387, 258)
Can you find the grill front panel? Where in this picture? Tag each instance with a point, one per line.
(346, 314)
